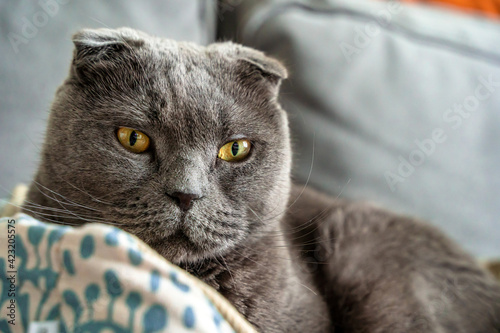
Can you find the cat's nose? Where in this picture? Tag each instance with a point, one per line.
(184, 200)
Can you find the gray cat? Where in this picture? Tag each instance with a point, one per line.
(187, 148)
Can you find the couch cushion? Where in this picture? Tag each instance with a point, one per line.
(390, 103)
(37, 49)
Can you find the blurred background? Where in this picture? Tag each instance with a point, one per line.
(392, 102)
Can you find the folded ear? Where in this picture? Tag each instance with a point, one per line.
(102, 49)
(269, 67)
(254, 68)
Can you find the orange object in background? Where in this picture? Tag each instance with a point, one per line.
(489, 8)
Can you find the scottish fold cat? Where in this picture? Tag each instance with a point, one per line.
(188, 148)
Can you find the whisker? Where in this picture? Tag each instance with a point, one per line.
(84, 192)
(306, 224)
(68, 202)
(306, 183)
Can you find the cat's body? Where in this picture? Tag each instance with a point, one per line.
(289, 259)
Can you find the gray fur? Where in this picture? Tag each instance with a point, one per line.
(304, 263)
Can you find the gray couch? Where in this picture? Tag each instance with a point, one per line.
(389, 103)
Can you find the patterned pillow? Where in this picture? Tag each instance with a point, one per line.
(97, 278)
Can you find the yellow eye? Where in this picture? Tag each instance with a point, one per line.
(135, 141)
(235, 150)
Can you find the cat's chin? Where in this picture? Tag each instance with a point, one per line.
(180, 249)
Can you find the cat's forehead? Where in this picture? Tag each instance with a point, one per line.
(186, 68)
(187, 81)
(171, 54)
(192, 82)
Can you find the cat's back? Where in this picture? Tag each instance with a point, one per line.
(382, 272)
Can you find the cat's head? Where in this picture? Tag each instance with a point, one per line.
(182, 145)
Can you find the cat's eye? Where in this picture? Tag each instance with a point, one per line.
(235, 151)
(135, 141)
